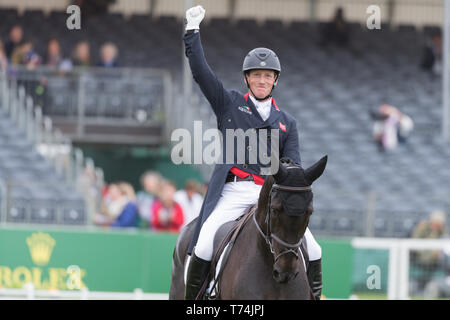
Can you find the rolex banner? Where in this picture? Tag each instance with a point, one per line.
(120, 260)
(104, 260)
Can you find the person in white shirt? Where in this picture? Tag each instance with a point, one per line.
(190, 200)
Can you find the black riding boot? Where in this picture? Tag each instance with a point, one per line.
(314, 274)
(197, 272)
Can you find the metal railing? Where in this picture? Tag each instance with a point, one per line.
(69, 162)
(400, 260)
(28, 292)
(80, 99)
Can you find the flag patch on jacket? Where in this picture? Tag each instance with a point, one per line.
(245, 109)
(282, 126)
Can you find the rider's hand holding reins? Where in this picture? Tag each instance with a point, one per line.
(194, 16)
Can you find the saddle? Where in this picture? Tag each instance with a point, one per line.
(223, 244)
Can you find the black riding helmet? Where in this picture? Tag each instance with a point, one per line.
(261, 58)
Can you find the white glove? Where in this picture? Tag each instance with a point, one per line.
(194, 16)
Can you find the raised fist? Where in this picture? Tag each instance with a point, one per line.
(194, 16)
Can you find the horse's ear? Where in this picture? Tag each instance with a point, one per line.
(316, 170)
(281, 173)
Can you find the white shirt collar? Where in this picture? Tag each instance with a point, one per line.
(262, 107)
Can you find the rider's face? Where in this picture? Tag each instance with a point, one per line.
(261, 82)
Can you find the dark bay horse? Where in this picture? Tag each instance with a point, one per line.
(265, 261)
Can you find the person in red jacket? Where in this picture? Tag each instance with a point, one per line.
(167, 214)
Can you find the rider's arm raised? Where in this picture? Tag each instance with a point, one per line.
(210, 85)
(291, 147)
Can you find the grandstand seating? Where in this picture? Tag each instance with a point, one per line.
(328, 90)
(32, 190)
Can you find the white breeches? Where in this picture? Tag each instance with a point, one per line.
(235, 198)
(313, 248)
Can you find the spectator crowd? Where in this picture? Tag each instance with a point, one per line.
(18, 50)
(159, 206)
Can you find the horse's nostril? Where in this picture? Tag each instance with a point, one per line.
(282, 277)
(276, 274)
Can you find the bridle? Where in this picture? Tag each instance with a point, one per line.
(269, 236)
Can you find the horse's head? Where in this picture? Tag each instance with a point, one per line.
(288, 206)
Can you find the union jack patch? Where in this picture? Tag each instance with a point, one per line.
(282, 126)
(245, 109)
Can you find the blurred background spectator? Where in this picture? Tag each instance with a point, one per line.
(3, 58)
(336, 31)
(150, 182)
(108, 55)
(82, 55)
(203, 189)
(167, 214)
(25, 54)
(432, 55)
(54, 57)
(190, 200)
(14, 40)
(429, 261)
(119, 209)
(433, 228)
(391, 127)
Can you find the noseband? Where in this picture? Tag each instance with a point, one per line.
(269, 236)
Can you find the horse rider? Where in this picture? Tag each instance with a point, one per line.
(235, 186)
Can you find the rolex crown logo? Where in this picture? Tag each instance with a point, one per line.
(41, 247)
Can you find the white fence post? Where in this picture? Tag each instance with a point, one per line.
(393, 271)
(84, 293)
(138, 294)
(399, 254)
(29, 287)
